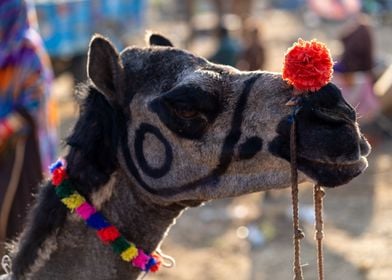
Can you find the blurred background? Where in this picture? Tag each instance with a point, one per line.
(250, 237)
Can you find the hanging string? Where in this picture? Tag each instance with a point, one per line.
(318, 195)
(6, 264)
(167, 261)
(298, 233)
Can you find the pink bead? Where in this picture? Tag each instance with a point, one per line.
(85, 210)
(141, 260)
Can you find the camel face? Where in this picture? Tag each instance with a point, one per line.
(197, 131)
(331, 150)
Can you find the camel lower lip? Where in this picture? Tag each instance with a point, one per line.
(332, 174)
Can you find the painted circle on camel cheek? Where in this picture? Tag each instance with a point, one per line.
(154, 172)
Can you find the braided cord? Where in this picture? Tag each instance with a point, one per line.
(318, 195)
(298, 233)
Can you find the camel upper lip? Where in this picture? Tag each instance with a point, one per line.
(332, 174)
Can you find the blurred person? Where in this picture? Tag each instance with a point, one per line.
(353, 71)
(228, 49)
(357, 41)
(27, 134)
(242, 8)
(336, 10)
(253, 56)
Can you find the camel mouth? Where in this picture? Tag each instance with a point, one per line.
(331, 174)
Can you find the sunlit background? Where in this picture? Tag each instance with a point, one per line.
(250, 237)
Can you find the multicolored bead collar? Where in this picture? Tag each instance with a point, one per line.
(106, 232)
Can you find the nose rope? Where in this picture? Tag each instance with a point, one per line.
(298, 233)
(318, 195)
(308, 67)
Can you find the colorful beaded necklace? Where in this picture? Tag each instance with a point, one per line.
(106, 232)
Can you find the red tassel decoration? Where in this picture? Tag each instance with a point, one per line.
(307, 66)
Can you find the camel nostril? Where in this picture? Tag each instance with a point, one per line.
(364, 146)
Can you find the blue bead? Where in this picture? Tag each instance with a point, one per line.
(97, 221)
(55, 165)
(150, 264)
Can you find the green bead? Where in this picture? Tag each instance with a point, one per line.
(120, 245)
(64, 190)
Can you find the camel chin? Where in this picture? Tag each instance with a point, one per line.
(330, 174)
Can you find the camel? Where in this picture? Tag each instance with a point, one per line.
(161, 130)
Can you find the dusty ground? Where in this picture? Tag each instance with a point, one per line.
(211, 242)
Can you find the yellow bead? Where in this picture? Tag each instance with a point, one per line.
(129, 254)
(73, 201)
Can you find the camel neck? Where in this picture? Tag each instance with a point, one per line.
(142, 221)
(77, 247)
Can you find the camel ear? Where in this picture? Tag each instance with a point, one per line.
(155, 39)
(104, 68)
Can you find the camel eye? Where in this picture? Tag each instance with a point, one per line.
(186, 110)
(186, 114)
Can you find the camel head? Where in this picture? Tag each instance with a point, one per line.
(184, 129)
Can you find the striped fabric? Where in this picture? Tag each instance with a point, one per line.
(25, 73)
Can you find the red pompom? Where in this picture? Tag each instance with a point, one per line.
(58, 176)
(108, 234)
(307, 65)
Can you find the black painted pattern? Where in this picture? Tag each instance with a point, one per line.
(225, 158)
(250, 147)
(154, 172)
